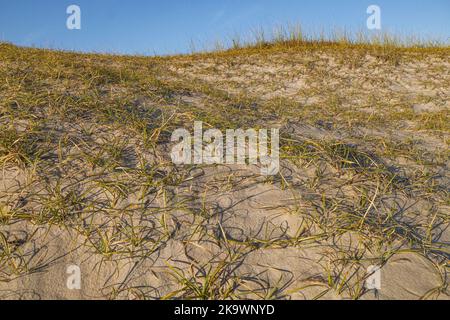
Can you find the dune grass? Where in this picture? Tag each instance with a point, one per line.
(83, 147)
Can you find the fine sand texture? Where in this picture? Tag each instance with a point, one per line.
(87, 179)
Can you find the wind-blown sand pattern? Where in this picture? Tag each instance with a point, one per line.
(87, 178)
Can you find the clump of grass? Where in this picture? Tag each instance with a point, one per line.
(12, 258)
(60, 205)
(19, 148)
(207, 282)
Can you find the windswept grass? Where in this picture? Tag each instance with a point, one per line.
(84, 154)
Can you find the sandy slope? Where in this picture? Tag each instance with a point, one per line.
(140, 227)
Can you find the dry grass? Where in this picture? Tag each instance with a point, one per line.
(86, 174)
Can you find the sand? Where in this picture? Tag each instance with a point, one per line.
(310, 232)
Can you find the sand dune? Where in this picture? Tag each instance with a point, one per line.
(87, 179)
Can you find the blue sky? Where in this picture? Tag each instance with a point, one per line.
(170, 26)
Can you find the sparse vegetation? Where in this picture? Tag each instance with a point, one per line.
(87, 177)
